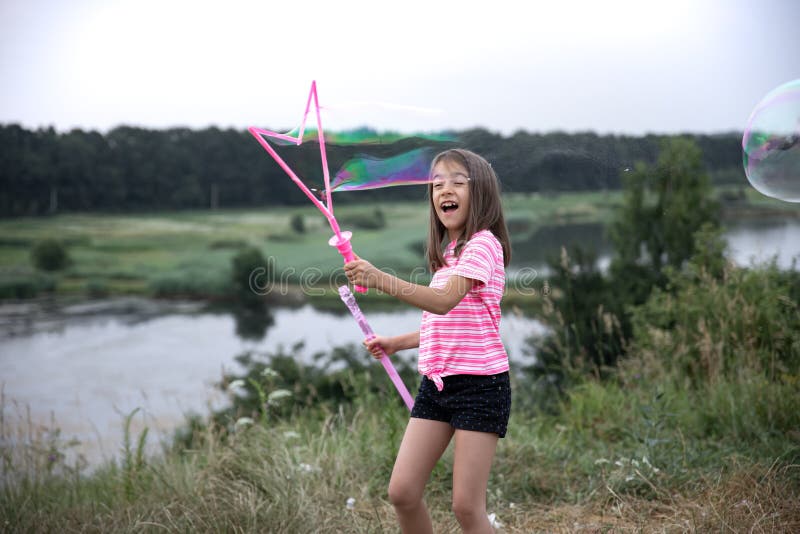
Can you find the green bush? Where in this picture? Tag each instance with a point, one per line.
(298, 223)
(707, 329)
(25, 285)
(249, 267)
(310, 385)
(50, 255)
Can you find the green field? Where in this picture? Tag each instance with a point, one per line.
(188, 253)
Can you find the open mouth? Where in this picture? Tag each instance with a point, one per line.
(448, 206)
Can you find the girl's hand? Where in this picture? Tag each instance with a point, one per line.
(362, 273)
(375, 344)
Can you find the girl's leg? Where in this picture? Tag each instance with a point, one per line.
(473, 462)
(423, 444)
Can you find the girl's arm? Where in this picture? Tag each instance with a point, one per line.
(406, 341)
(434, 300)
(392, 344)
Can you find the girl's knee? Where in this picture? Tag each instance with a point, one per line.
(403, 495)
(467, 512)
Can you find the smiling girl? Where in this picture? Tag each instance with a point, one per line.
(465, 391)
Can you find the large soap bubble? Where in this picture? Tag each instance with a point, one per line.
(771, 144)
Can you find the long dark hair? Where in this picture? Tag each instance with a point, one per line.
(485, 207)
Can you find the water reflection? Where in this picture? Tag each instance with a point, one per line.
(546, 242)
(753, 242)
(253, 321)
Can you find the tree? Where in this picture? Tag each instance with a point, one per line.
(586, 335)
(131, 168)
(668, 216)
(664, 206)
(50, 255)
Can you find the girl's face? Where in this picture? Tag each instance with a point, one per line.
(450, 195)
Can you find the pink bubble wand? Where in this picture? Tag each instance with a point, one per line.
(340, 239)
(350, 301)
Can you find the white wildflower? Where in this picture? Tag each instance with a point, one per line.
(601, 461)
(351, 503)
(494, 521)
(276, 396)
(236, 385)
(512, 505)
(307, 468)
(648, 464)
(243, 421)
(269, 372)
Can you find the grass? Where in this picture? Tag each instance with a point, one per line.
(614, 459)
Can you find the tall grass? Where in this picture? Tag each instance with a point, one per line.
(618, 456)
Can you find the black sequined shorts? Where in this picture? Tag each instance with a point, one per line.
(468, 402)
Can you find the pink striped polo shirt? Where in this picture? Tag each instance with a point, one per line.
(467, 339)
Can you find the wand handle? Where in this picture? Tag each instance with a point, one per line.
(342, 244)
(350, 301)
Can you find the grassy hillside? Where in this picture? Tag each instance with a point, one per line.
(614, 459)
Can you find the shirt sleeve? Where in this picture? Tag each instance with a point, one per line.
(477, 259)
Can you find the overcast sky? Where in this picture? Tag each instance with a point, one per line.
(608, 66)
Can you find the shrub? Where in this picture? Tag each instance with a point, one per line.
(49, 255)
(707, 329)
(298, 223)
(25, 285)
(245, 264)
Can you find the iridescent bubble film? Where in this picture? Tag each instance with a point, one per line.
(771, 144)
(366, 172)
(358, 136)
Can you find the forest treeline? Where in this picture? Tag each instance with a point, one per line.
(44, 171)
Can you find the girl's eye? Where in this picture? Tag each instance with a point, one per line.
(460, 181)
